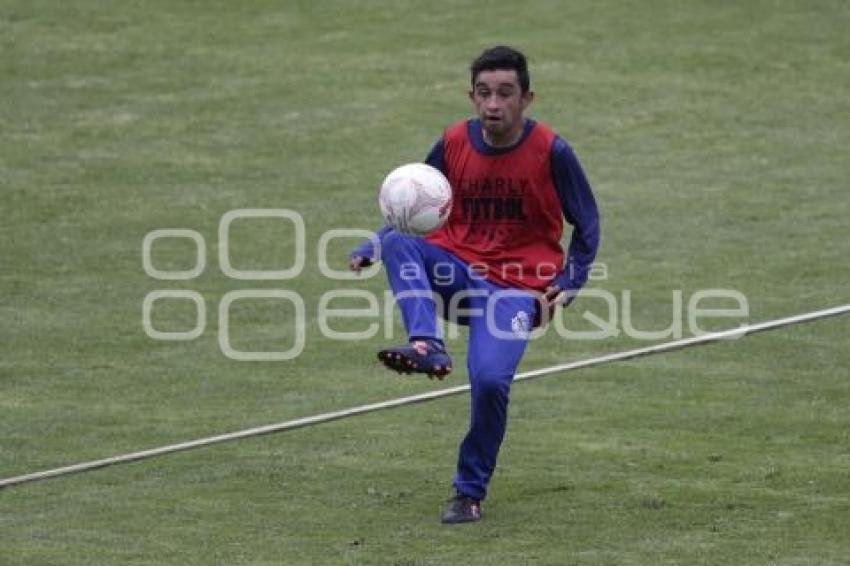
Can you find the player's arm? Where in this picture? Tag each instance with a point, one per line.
(581, 213)
(365, 254)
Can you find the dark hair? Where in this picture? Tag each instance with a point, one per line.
(502, 57)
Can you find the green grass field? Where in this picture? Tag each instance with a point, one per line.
(715, 135)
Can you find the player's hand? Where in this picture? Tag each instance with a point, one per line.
(551, 298)
(356, 264)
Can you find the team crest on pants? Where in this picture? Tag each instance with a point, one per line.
(520, 324)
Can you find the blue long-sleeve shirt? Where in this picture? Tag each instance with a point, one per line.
(574, 193)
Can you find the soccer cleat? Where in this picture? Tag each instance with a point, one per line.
(462, 509)
(420, 356)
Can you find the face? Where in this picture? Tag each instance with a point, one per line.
(500, 103)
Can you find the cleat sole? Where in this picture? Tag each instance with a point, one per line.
(403, 365)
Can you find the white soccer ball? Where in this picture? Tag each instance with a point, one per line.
(415, 199)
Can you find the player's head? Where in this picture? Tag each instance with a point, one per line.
(500, 94)
(504, 58)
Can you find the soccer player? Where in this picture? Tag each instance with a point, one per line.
(497, 265)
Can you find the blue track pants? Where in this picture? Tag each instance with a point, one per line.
(426, 281)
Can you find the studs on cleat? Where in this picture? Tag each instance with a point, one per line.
(409, 360)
